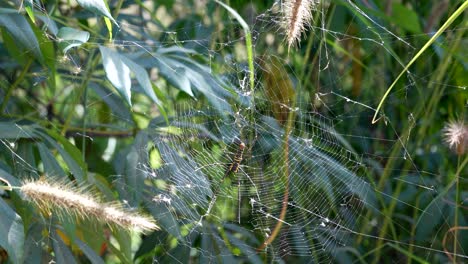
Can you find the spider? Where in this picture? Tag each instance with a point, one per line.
(232, 169)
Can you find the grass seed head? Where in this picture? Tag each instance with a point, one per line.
(73, 201)
(297, 15)
(456, 136)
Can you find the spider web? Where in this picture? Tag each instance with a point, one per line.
(328, 193)
(223, 216)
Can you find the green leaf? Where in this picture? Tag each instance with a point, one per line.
(47, 48)
(118, 68)
(89, 252)
(49, 24)
(21, 31)
(149, 243)
(70, 37)
(117, 72)
(9, 130)
(10, 178)
(32, 249)
(406, 18)
(132, 182)
(11, 232)
(125, 242)
(175, 68)
(113, 101)
(61, 251)
(432, 216)
(26, 151)
(71, 155)
(51, 166)
(98, 7)
(30, 12)
(109, 27)
(176, 76)
(165, 218)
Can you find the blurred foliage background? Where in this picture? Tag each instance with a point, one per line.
(90, 89)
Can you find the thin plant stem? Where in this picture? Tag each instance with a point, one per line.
(89, 72)
(457, 205)
(447, 23)
(427, 110)
(20, 78)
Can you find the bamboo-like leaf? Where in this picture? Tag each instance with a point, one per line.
(70, 37)
(118, 68)
(98, 7)
(62, 253)
(21, 31)
(11, 232)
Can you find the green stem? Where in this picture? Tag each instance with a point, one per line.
(248, 43)
(457, 205)
(13, 86)
(413, 227)
(447, 23)
(83, 130)
(117, 9)
(428, 111)
(89, 72)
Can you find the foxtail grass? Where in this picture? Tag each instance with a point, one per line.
(63, 198)
(297, 15)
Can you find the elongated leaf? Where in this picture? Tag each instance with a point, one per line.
(61, 251)
(49, 23)
(118, 68)
(165, 218)
(150, 242)
(22, 33)
(70, 37)
(117, 72)
(199, 77)
(132, 182)
(32, 249)
(10, 178)
(125, 243)
(406, 18)
(9, 130)
(432, 216)
(98, 7)
(11, 232)
(177, 76)
(51, 166)
(142, 77)
(89, 252)
(113, 101)
(71, 155)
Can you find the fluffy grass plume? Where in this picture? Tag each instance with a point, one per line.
(297, 15)
(62, 197)
(456, 136)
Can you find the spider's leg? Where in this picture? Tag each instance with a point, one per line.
(253, 184)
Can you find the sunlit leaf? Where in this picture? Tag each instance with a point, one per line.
(70, 37)
(98, 7)
(118, 69)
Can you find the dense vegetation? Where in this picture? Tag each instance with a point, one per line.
(113, 110)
